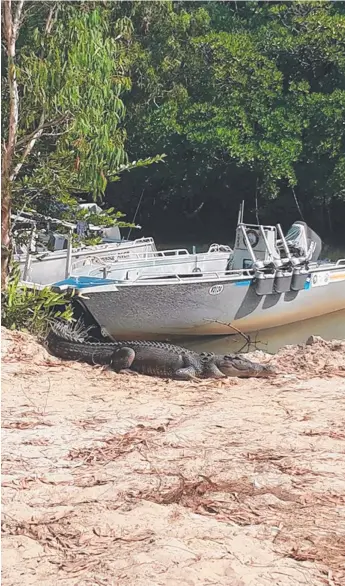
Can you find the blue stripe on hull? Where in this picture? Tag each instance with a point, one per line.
(83, 282)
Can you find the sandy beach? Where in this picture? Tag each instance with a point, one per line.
(112, 479)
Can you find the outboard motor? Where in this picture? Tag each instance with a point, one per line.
(303, 242)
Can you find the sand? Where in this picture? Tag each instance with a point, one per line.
(111, 479)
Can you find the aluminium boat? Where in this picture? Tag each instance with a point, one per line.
(39, 265)
(271, 280)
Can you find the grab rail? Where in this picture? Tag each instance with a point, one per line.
(112, 246)
(143, 257)
(219, 248)
(141, 266)
(244, 273)
(113, 257)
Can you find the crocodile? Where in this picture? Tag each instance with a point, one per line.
(72, 342)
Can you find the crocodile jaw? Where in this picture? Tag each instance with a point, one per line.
(234, 366)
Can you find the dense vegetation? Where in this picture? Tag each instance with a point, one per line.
(246, 99)
(65, 66)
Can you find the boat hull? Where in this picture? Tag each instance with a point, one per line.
(207, 307)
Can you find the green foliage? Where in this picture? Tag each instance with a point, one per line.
(72, 70)
(244, 98)
(241, 97)
(23, 308)
(74, 77)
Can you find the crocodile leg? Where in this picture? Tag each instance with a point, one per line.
(211, 370)
(209, 366)
(186, 373)
(122, 359)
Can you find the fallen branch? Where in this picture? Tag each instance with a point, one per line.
(246, 337)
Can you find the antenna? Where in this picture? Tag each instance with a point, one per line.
(135, 214)
(240, 213)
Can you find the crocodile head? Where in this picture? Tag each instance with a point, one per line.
(236, 365)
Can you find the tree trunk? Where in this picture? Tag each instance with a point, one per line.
(10, 32)
(5, 227)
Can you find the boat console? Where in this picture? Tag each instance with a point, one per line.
(280, 263)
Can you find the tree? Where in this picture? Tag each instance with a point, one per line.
(247, 99)
(11, 24)
(243, 97)
(66, 69)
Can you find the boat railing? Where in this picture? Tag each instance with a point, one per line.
(217, 275)
(144, 240)
(257, 226)
(167, 253)
(144, 256)
(205, 276)
(326, 265)
(116, 247)
(219, 248)
(118, 257)
(172, 252)
(125, 244)
(139, 260)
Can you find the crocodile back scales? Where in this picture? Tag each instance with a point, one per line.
(71, 343)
